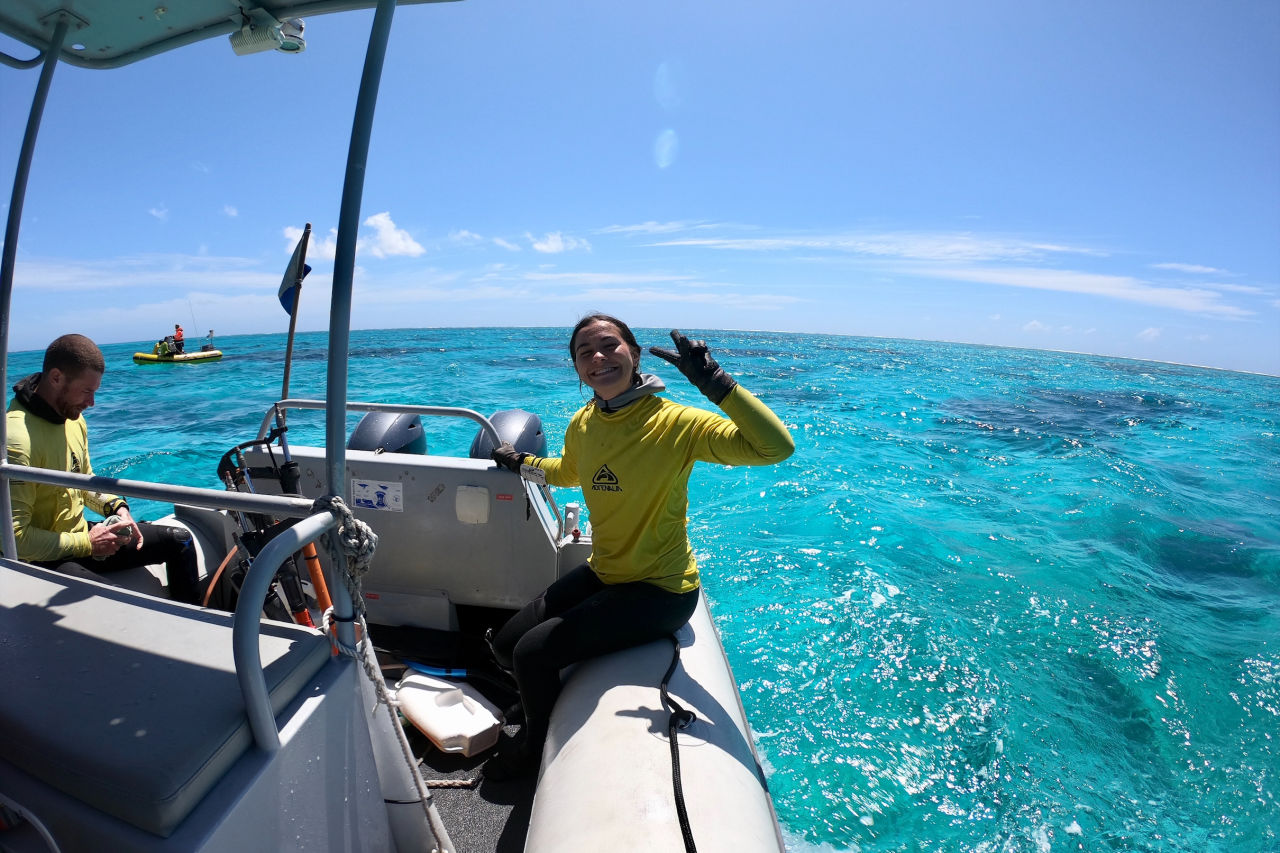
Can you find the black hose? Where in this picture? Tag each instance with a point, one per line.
(681, 718)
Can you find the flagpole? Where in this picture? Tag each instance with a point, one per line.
(297, 271)
(288, 350)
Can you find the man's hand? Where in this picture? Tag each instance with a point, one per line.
(695, 362)
(104, 540)
(126, 517)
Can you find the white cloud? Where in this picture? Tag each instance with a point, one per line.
(649, 227)
(505, 244)
(1188, 268)
(325, 248)
(903, 245)
(428, 294)
(555, 243)
(465, 236)
(1035, 326)
(602, 278)
(757, 301)
(143, 271)
(1125, 288)
(230, 210)
(160, 212)
(389, 240)
(1149, 334)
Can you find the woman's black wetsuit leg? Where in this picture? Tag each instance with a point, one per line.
(579, 617)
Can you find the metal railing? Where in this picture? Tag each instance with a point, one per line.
(394, 408)
(244, 625)
(253, 592)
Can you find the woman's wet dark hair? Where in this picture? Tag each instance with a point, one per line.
(623, 329)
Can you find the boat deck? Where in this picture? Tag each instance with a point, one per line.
(492, 817)
(488, 816)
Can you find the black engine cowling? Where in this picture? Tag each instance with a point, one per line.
(387, 432)
(523, 429)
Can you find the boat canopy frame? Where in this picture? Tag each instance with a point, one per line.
(115, 33)
(47, 25)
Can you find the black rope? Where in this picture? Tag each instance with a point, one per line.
(681, 718)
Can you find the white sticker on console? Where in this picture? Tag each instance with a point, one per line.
(368, 494)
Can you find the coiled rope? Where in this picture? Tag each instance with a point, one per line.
(351, 544)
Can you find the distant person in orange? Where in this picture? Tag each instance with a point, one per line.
(177, 338)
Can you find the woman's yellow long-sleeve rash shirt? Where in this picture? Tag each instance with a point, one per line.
(633, 466)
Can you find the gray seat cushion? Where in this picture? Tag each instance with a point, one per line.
(125, 702)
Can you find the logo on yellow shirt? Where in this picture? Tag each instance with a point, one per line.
(605, 481)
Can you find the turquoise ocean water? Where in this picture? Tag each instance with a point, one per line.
(998, 600)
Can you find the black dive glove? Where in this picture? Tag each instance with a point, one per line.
(696, 363)
(508, 457)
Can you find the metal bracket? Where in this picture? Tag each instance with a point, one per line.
(74, 21)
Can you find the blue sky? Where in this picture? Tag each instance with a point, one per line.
(1087, 176)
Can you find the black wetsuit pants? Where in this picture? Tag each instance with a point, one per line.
(160, 544)
(576, 618)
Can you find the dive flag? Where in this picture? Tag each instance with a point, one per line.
(295, 273)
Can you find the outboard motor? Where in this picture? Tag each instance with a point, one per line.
(387, 432)
(523, 429)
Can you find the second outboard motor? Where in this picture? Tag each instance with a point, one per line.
(523, 429)
(387, 432)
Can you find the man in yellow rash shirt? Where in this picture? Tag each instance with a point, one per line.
(45, 429)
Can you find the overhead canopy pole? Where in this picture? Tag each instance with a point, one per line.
(9, 258)
(406, 832)
(344, 264)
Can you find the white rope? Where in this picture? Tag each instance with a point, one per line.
(357, 542)
(352, 545)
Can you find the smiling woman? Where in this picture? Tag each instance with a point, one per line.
(632, 454)
(606, 355)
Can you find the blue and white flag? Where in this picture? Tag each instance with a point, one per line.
(295, 273)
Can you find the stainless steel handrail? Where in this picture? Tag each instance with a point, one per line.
(402, 409)
(244, 624)
(292, 507)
